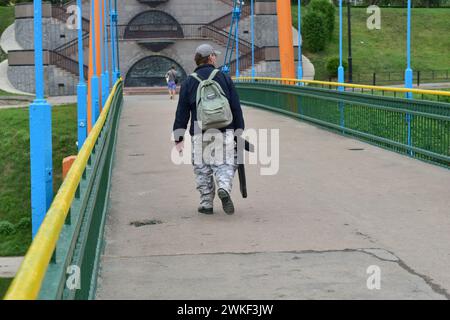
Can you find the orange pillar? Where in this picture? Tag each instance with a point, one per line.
(285, 39)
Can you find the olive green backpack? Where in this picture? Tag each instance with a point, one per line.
(213, 108)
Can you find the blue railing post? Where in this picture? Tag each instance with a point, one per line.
(237, 13)
(94, 79)
(81, 88)
(409, 73)
(300, 56)
(341, 68)
(116, 40)
(112, 20)
(102, 52)
(106, 48)
(252, 27)
(40, 134)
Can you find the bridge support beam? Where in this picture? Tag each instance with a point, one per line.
(81, 88)
(102, 45)
(286, 42)
(105, 20)
(116, 45)
(94, 69)
(409, 73)
(98, 53)
(40, 135)
(112, 33)
(300, 42)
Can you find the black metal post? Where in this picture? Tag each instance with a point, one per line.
(350, 64)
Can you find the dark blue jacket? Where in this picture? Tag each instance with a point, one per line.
(187, 102)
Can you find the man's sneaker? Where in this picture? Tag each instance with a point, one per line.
(205, 210)
(227, 204)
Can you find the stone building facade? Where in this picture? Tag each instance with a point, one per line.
(153, 35)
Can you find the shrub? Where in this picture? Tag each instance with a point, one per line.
(6, 228)
(314, 31)
(24, 223)
(328, 10)
(333, 65)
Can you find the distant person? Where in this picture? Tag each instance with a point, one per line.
(206, 171)
(171, 77)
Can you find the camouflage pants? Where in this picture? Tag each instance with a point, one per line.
(213, 160)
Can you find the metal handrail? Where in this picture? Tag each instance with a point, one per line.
(345, 85)
(28, 281)
(419, 76)
(229, 2)
(225, 21)
(242, 43)
(245, 61)
(67, 63)
(63, 52)
(417, 128)
(72, 46)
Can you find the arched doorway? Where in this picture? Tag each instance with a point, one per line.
(151, 71)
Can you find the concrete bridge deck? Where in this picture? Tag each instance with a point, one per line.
(309, 232)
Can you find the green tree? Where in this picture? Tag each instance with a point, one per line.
(314, 31)
(328, 10)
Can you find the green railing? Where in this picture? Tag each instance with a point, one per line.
(63, 259)
(418, 128)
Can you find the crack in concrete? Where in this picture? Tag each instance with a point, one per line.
(434, 286)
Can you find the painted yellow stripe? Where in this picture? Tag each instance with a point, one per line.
(350, 85)
(29, 278)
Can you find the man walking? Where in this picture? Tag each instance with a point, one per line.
(205, 170)
(171, 77)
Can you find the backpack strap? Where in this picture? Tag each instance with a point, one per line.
(210, 78)
(196, 77)
(213, 74)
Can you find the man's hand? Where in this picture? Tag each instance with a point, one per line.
(179, 146)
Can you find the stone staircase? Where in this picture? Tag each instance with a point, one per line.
(62, 57)
(64, 81)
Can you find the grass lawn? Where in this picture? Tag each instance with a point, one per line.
(6, 17)
(4, 93)
(15, 168)
(384, 50)
(4, 284)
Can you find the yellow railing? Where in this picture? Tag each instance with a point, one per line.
(346, 85)
(27, 283)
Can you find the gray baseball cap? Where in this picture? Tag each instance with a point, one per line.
(205, 50)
